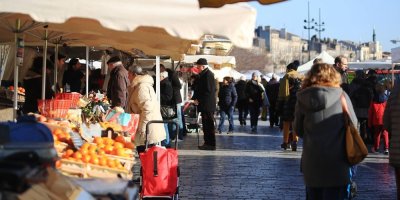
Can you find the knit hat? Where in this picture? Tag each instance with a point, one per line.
(113, 59)
(136, 70)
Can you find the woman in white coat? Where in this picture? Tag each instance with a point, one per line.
(142, 100)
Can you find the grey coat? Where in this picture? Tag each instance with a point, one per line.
(319, 121)
(391, 121)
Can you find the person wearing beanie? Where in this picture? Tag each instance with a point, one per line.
(204, 98)
(117, 89)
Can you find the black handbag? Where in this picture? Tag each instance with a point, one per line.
(168, 112)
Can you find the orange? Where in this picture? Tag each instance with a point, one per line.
(111, 163)
(120, 139)
(77, 155)
(84, 151)
(108, 141)
(58, 164)
(101, 152)
(129, 145)
(69, 153)
(120, 152)
(98, 140)
(85, 146)
(118, 145)
(94, 160)
(58, 131)
(108, 148)
(103, 161)
(86, 158)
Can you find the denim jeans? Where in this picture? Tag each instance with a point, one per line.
(222, 114)
(179, 119)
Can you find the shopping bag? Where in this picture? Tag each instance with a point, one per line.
(129, 122)
(355, 147)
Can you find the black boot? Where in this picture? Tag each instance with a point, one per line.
(284, 146)
(294, 146)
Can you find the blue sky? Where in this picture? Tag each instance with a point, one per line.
(344, 19)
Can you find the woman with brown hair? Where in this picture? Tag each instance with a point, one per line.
(319, 121)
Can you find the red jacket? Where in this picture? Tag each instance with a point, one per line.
(375, 113)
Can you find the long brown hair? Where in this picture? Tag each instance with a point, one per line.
(322, 74)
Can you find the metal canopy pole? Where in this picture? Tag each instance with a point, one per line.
(15, 105)
(158, 78)
(46, 34)
(87, 71)
(55, 67)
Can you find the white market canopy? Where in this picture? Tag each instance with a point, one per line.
(219, 74)
(326, 58)
(248, 73)
(211, 59)
(158, 27)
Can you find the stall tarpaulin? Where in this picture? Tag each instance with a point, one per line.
(211, 59)
(326, 58)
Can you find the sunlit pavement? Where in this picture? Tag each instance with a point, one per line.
(253, 166)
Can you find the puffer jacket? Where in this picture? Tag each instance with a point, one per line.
(391, 123)
(319, 121)
(227, 96)
(142, 100)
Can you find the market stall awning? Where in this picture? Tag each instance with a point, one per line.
(326, 58)
(157, 27)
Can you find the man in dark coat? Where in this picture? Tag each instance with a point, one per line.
(204, 97)
(272, 93)
(117, 90)
(341, 66)
(254, 92)
(242, 100)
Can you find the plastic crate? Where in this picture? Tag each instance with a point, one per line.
(73, 96)
(10, 96)
(54, 108)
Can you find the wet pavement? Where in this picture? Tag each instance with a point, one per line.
(253, 166)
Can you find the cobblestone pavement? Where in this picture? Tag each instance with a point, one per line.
(252, 166)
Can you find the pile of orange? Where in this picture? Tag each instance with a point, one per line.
(62, 136)
(116, 147)
(89, 153)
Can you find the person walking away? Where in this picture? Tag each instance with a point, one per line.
(166, 101)
(177, 97)
(242, 101)
(264, 108)
(204, 98)
(375, 118)
(391, 124)
(73, 77)
(142, 100)
(227, 100)
(289, 85)
(319, 122)
(272, 94)
(341, 65)
(117, 90)
(33, 85)
(254, 94)
(361, 96)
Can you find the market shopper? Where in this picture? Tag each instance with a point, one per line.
(319, 121)
(242, 104)
(341, 66)
(142, 100)
(272, 90)
(117, 90)
(33, 85)
(289, 85)
(60, 71)
(227, 100)
(391, 124)
(73, 77)
(204, 98)
(254, 93)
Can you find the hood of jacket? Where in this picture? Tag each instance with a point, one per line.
(317, 98)
(142, 79)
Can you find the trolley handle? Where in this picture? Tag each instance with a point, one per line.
(162, 122)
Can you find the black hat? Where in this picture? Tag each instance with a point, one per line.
(201, 61)
(113, 60)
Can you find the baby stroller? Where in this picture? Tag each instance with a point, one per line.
(192, 118)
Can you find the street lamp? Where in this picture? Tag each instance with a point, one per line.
(309, 27)
(319, 25)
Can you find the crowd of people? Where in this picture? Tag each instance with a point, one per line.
(308, 106)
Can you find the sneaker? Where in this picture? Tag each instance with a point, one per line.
(207, 147)
(229, 132)
(386, 152)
